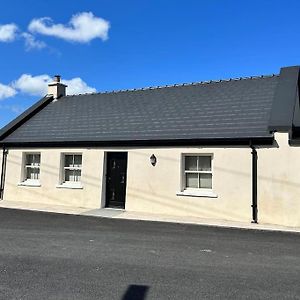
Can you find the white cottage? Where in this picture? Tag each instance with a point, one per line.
(225, 149)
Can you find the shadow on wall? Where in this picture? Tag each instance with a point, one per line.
(136, 292)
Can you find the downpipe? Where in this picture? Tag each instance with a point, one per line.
(3, 171)
(254, 185)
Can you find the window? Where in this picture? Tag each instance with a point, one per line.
(72, 164)
(198, 172)
(32, 162)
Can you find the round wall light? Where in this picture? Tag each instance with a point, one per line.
(153, 160)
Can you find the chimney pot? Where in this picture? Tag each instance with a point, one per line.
(56, 78)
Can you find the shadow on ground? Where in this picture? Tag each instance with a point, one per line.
(137, 292)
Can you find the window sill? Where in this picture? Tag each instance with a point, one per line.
(30, 183)
(69, 186)
(207, 194)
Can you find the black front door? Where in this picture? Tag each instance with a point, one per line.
(116, 179)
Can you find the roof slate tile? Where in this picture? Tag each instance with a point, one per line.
(223, 109)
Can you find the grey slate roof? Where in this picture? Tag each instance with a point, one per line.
(26, 115)
(227, 110)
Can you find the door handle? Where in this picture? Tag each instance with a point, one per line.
(123, 178)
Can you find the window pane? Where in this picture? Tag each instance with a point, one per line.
(191, 180)
(73, 175)
(33, 159)
(204, 163)
(28, 173)
(77, 160)
(68, 160)
(36, 159)
(33, 173)
(205, 181)
(37, 173)
(29, 159)
(69, 175)
(77, 175)
(191, 163)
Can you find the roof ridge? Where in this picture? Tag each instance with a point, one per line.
(203, 82)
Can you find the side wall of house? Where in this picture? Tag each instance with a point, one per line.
(279, 183)
(154, 188)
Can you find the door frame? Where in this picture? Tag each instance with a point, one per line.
(103, 188)
(104, 181)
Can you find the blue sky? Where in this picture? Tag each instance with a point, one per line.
(111, 45)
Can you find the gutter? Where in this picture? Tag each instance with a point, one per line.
(228, 142)
(3, 171)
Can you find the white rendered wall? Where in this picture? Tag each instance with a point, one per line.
(48, 192)
(153, 189)
(279, 183)
(149, 189)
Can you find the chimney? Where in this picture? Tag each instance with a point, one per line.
(56, 88)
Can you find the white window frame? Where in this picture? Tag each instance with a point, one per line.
(24, 180)
(69, 184)
(200, 192)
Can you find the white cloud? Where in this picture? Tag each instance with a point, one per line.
(32, 85)
(6, 91)
(31, 42)
(78, 86)
(82, 28)
(37, 85)
(8, 32)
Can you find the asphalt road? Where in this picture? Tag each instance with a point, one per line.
(48, 256)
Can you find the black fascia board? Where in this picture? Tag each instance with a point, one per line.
(296, 118)
(26, 115)
(294, 141)
(282, 112)
(294, 134)
(256, 141)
